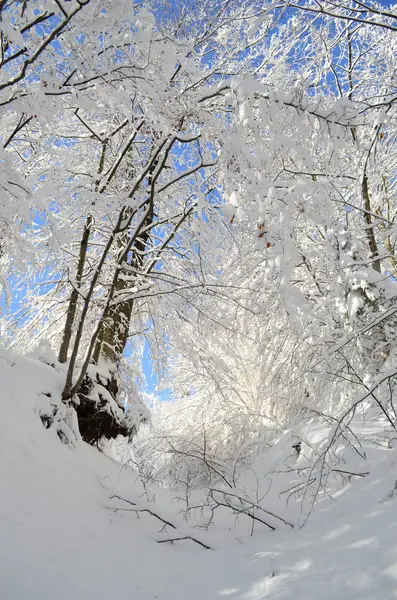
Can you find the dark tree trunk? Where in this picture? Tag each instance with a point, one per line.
(67, 331)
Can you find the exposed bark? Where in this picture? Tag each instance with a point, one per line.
(96, 420)
(373, 246)
(113, 334)
(113, 328)
(74, 296)
(370, 233)
(389, 241)
(69, 389)
(350, 75)
(94, 392)
(95, 416)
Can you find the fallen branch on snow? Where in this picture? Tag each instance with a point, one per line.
(145, 509)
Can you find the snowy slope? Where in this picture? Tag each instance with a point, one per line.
(61, 539)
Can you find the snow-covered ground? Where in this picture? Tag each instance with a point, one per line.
(60, 537)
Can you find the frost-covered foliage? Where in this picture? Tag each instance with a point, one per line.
(215, 180)
(314, 182)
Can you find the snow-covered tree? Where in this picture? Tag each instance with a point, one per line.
(219, 180)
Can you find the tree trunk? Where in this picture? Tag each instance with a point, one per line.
(113, 334)
(373, 246)
(67, 331)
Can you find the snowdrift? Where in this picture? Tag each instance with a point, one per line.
(65, 534)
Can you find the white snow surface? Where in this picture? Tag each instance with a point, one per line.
(61, 538)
